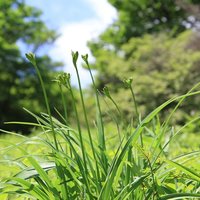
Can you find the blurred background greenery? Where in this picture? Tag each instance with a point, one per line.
(157, 42)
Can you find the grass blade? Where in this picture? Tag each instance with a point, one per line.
(192, 174)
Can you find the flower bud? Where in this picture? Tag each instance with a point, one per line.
(106, 92)
(128, 82)
(75, 57)
(31, 57)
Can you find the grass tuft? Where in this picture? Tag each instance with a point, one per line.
(65, 163)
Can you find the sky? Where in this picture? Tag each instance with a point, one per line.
(77, 21)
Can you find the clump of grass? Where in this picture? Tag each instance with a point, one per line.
(77, 164)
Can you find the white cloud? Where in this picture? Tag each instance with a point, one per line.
(74, 36)
(105, 12)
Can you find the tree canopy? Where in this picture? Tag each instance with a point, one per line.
(19, 85)
(151, 42)
(138, 17)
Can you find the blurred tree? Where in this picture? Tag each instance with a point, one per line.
(19, 85)
(149, 42)
(161, 67)
(138, 17)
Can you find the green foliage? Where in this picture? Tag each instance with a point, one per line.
(77, 164)
(151, 43)
(18, 82)
(138, 17)
(161, 67)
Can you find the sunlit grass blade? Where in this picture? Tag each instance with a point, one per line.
(180, 196)
(191, 173)
(32, 189)
(128, 189)
(30, 172)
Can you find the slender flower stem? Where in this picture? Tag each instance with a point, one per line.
(79, 130)
(137, 113)
(100, 121)
(135, 104)
(128, 83)
(75, 57)
(64, 105)
(31, 58)
(107, 93)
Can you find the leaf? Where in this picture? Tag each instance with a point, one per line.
(179, 196)
(31, 188)
(186, 170)
(126, 191)
(30, 172)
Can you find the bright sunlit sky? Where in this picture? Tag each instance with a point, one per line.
(78, 21)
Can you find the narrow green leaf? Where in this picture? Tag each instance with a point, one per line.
(186, 170)
(32, 189)
(30, 172)
(128, 189)
(179, 196)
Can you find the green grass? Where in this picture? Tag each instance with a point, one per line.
(143, 160)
